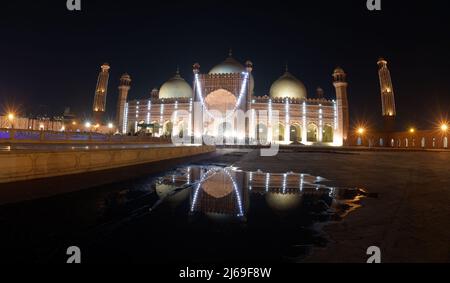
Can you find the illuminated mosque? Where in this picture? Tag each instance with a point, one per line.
(293, 117)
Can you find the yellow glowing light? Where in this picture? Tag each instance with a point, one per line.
(110, 125)
(74, 123)
(87, 124)
(412, 130)
(361, 130)
(10, 116)
(97, 125)
(444, 127)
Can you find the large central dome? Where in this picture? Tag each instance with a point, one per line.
(176, 87)
(288, 86)
(229, 66)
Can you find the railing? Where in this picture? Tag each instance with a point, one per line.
(30, 136)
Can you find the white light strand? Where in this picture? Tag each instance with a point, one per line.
(236, 191)
(238, 102)
(125, 119)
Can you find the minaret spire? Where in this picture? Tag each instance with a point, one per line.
(387, 95)
(99, 106)
(124, 87)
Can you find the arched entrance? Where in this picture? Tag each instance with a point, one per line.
(278, 133)
(168, 128)
(261, 133)
(295, 134)
(327, 134)
(312, 134)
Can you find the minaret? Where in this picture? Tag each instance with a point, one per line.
(101, 90)
(124, 87)
(340, 84)
(387, 95)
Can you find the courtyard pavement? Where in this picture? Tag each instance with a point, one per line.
(410, 218)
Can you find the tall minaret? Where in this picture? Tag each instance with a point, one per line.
(340, 84)
(101, 90)
(124, 87)
(387, 95)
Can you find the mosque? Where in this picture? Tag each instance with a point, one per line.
(285, 115)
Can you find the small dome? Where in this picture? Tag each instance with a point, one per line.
(339, 70)
(176, 87)
(288, 86)
(229, 66)
(284, 202)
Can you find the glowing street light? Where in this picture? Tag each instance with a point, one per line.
(87, 125)
(444, 127)
(110, 125)
(412, 130)
(11, 117)
(361, 130)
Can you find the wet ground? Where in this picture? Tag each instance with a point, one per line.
(225, 211)
(207, 212)
(408, 220)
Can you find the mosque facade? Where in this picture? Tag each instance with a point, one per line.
(286, 115)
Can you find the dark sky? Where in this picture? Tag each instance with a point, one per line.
(50, 57)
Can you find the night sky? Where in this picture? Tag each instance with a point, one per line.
(50, 57)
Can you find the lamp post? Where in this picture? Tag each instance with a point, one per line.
(11, 117)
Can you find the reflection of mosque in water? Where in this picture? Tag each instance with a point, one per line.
(225, 192)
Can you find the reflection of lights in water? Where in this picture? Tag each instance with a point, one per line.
(284, 183)
(283, 202)
(235, 188)
(302, 180)
(267, 182)
(238, 195)
(188, 177)
(197, 190)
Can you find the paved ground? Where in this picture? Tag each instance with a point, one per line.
(410, 219)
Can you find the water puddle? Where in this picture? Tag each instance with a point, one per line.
(202, 213)
(216, 213)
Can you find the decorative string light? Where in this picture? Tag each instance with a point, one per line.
(238, 102)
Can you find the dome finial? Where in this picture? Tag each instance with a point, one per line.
(230, 52)
(178, 70)
(287, 67)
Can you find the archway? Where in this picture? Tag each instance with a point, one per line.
(312, 133)
(261, 132)
(278, 133)
(168, 128)
(295, 133)
(327, 134)
(182, 129)
(220, 100)
(445, 142)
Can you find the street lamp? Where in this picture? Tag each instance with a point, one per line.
(444, 127)
(110, 125)
(412, 130)
(87, 125)
(11, 117)
(361, 130)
